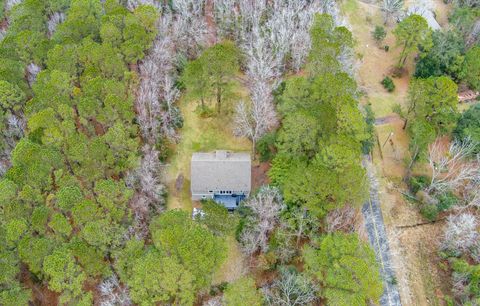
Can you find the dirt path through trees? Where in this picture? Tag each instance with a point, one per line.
(412, 250)
(377, 236)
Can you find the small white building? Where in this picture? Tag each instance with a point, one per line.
(222, 176)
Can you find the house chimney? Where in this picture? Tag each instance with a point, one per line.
(221, 154)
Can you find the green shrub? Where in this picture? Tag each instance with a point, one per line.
(429, 211)
(446, 200)
(379, 34)
(386, 48)
(266, 146)
(387, 82)
(165, 149)
(417, 183)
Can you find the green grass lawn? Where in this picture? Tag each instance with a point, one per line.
(205, 134)
(200, 135)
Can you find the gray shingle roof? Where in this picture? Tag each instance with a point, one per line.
(220, 170)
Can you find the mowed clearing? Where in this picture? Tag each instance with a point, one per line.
(199, 135)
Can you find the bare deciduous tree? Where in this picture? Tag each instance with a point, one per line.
(267, 32)
(265, 207)
(461, 234)
(156, 65)
(113, 293)
(9, 4)
(156, 96)
(255, 120)
(190, 28)
(473, 36)
(14, 130)
(133, 4)
(472, 198)
(291, 289)
(342, 219)
(149, 198)
(53, 21)
(391, 9)
(148, 174)
(452, 168)
(32, 71)
(3, 32)
(214, 301)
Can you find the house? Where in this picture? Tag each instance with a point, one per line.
(222, 176)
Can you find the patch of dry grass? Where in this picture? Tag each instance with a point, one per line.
(394, 149)
(374, 62)
(233, 268)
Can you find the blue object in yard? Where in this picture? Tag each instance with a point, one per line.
(230, 201)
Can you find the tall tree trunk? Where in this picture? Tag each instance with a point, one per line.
(412, 162)
(254, 150)
(403, 58)
(300, 227)
(219, 99)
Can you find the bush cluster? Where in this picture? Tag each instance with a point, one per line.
(388, 84)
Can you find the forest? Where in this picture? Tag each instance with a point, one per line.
(93, 99)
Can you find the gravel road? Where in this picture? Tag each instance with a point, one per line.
(378, 239)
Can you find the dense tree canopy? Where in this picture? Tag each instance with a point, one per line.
(242, 292)
(66, 205)
(328, 43)
(472, 68)
(211, 74)
(319, 144)
(346, 268)
(411, 33)
(181, 261)
(446, 56)
(432, 111)
(468, 126)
